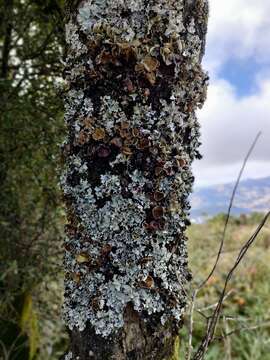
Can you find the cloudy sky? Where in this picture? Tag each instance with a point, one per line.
(238, 105)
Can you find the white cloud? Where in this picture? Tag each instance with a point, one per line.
(237, 29)
(229, 125)
(205, 176)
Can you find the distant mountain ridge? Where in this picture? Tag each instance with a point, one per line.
(253, 195)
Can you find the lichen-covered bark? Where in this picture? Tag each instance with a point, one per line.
(135, 80)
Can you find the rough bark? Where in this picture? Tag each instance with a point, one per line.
(134, 78)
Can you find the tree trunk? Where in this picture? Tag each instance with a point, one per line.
(134, 82)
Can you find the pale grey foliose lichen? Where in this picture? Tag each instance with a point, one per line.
(68, 356)
(135, 81)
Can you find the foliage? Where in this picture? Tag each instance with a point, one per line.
(31, 41)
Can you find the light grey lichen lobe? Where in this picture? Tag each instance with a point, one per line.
(135, 81)
(68, 356)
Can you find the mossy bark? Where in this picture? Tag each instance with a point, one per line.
(135, 80)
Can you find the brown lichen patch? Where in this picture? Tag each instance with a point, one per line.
(147, 283)
(88, 122)
(126, 150)
(83, 258)
(76, 277)
(157, 212)
(150, 64)
(98, 134)
(158, 196)
(82, 138)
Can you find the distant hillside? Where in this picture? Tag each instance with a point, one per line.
(252, 195)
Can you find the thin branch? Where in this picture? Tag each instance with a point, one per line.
(190, 330)
(230, 207)
(227, 340)
(5, 354)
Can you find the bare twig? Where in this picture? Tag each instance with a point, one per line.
(230, 207)
(227, 340)
(190, 330)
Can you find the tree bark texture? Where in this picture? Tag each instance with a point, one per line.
(134, 78)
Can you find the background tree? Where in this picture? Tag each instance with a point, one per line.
(31, 42)
(135, 80)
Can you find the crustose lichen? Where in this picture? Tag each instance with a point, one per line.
(135, 82)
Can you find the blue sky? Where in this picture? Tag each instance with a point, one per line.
(241, 73)
(238, 104)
